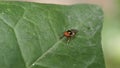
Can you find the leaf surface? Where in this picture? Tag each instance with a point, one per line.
(30, 32)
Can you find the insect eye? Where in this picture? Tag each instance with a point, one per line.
(70, 33)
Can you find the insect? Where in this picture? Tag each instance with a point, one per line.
(69, 34)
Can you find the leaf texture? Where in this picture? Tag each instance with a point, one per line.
(30, 32)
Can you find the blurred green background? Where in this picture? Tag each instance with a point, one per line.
(111, 35)
(111, 27)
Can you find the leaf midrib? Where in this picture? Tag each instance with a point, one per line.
(45, 53)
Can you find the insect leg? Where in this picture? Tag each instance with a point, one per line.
(68, 39)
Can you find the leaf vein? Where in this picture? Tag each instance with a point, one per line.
(15, 37)
(47, 52)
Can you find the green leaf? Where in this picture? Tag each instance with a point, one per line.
(30, 32)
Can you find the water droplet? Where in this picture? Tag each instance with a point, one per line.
(33, 64)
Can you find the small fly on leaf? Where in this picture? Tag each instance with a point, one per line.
(69, 34)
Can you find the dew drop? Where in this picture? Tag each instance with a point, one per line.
(33, 64)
